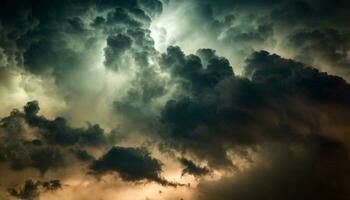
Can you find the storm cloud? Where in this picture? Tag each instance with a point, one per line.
(236, 111)
(226, 99)
(282, 106)
(238, 28)
(132, 164)
(45, 143)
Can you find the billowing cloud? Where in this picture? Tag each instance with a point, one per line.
(238, 28)
(236, 111)
(283, 102)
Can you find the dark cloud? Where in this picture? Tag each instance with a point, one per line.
(32, 30)
(116, 46)
(130, 49)
(45, 147)
(57, 131)
(59, 39)
(43, 44)
(29, 191)
(145, 91)
(152, 7)
(129, 39)
(288, 11)
(287, 77)
(132, 164)
(241, 113)
(46, 158)
(63, 40)
(82, 155)
(311, 12)
(317, 169)
(286, 119)
(238, 28)
(324, 47)
(192, 169)
(31, 154)
(255, 35)
(32, 189)
(191, 73)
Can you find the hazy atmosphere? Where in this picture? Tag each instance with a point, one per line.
(174, 100)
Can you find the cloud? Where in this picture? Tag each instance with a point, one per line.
(64, 41)
(317, 169)
(190, 73)
(235, 29)
(82, 155)
(192, 169)
(132, 164)
(32, 189)
(116, 45)
(255, 91)
(326, 48)
(269, 106)
(58, 132)
(29, 140)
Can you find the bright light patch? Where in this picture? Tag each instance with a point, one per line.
(168, 27)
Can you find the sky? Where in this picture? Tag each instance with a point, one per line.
(174, 99)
